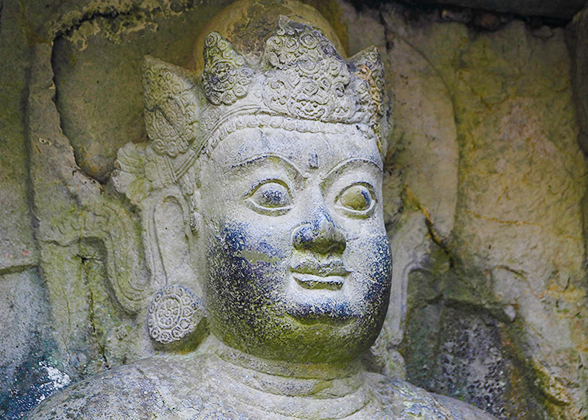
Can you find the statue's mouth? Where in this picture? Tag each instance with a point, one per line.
(318, 290)
(311, 274)
(309, 281)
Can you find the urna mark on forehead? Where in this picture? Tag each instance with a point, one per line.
(307, 151)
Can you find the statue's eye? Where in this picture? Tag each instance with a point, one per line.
(272, 196)
(357, 199)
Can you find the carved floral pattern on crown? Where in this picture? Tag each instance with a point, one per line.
(301, 84)
(310, 77)
(171, 107)
(301, 76)
(225, 78)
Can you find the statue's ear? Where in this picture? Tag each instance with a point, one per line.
(171, 226)
(159, 178)
(173, 101)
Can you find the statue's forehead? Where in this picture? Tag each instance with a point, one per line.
(308, 150)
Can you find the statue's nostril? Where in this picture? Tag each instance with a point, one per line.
(322, 238)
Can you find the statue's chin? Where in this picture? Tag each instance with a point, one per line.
(308, 335)
(335, 310)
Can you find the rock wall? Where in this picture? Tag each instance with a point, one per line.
(553, 9)
(485, 185)
(490, 235)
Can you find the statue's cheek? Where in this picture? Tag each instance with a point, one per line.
(241, 253)
(380, 267)
(371, 257)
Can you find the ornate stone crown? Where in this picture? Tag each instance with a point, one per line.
(301, 84)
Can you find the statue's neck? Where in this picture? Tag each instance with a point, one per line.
(319, 390)
(284, 369)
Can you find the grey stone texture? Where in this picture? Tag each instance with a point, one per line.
(286, 247)
(476, 232)
(560, 9)
(17, 246)
(29, 374)
(577, 32)
(484, 174)
(235, 385)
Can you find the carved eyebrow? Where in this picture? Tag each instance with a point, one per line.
(265, 157)
(350, 161)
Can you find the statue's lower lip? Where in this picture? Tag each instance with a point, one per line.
(315, 282)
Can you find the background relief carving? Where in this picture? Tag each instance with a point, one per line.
(485, 185)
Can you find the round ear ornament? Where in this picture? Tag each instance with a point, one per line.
(174, 312)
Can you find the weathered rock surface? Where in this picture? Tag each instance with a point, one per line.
(565, 9)
(484, 173)
(17, 247)
(522, 179)
(577, 34)
(497, 250)
(105, 54)
(27, 372)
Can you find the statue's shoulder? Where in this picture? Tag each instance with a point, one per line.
(140, 390)
(463, 411)
(407, 401)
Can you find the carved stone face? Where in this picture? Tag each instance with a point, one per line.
(298, 259)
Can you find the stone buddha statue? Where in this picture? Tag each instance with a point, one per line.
(262, 183)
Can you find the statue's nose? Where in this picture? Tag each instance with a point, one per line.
(320, 235)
